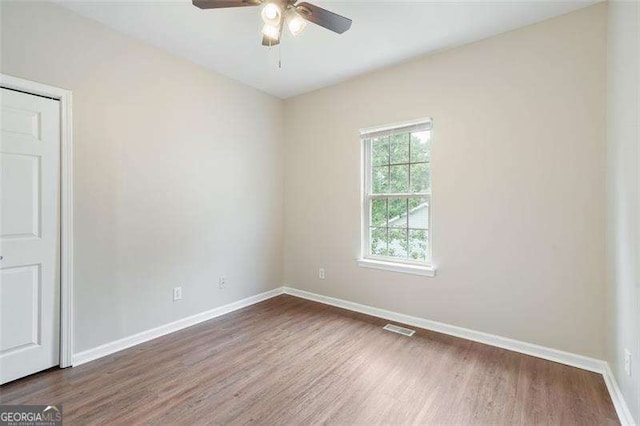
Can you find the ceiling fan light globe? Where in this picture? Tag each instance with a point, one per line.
(271, 14)
(295, 22)
(271, 32)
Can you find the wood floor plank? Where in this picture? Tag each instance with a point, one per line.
(292, 361)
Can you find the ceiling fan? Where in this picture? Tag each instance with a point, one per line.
(276, 12)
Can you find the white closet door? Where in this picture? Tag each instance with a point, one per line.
(29, 234)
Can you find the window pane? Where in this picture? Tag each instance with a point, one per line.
(400, 148)
(418, 213)
(418, 244)
(379, 241)
(398, 242)
(399, 224)
(380, 180)
(380, 151)
(420, 177)
(420, 146)
(399, 179)
(378, 212)
(398, 212)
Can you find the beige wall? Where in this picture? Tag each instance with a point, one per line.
(518, 183)
(623, 236)
(172, 162)
(178, 173)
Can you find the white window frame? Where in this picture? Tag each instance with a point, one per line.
(367, 259)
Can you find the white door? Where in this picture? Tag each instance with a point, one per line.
(29, 234)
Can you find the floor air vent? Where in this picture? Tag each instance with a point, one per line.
(399, 330)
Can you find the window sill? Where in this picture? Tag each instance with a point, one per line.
(426, 270)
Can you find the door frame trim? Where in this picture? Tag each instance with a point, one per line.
(66, 204)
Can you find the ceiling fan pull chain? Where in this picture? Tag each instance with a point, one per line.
(280, 56)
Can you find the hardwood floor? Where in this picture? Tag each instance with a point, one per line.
(292, 361)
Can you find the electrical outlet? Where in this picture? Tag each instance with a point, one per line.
(222, 283)
(321, 273)
(627, 362)
(177, 293)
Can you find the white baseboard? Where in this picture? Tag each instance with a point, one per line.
(136, 339)
(562, 357)
(555, 355)
(616, 397)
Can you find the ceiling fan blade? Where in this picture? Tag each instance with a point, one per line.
(324, 18)
(218, 4)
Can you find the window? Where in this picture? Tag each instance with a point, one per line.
(397, 195)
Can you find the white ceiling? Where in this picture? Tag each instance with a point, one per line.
(383, 33)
